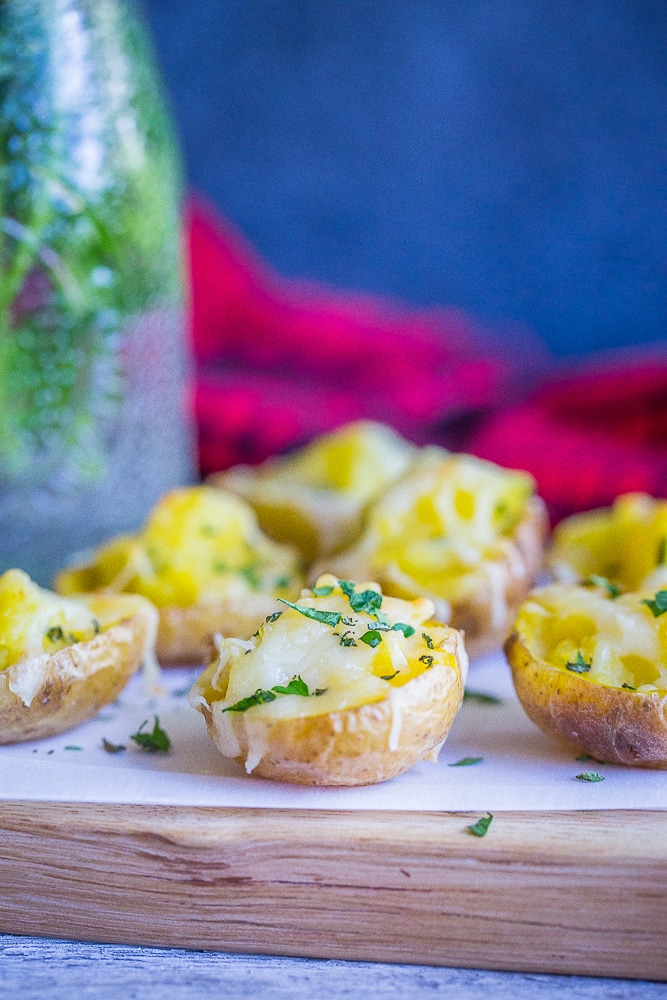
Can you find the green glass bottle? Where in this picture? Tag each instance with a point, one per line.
(93, 365)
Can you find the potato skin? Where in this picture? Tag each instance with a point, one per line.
(75, 682)
(350, 747)
(613, 725)
(185, 634)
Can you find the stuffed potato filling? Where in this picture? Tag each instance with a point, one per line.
(625, 544)
(314, 497)
(198, 544)
(339, 646)
(34, 621)
(617, 640)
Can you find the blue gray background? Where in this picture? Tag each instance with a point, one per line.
(506, 157)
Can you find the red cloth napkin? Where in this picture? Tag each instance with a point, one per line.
(280, 361)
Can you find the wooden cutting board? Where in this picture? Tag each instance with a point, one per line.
(559, 892)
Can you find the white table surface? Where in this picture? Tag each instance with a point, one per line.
(37, 969)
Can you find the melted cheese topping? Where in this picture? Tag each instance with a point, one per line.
(328, 657)
(445, 519)
(35, 621)
(620, 638)
(198, 544)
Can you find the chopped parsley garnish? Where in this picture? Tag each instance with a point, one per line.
(72, 748)
(372, 638)
(428, 660)
(368, 601)
(383, 620)
(629, 687)
(261, 697)
(273, 618)
(296, 686)
(661, 554)
(282, 582)
(407, 630)
(112, 747)
(589, 776)
(55, 634)
(332, 618)
(220, 567)
(251, 576)
(481, 698)
(346, 639)
(578, 666)
(157, 741)
(658, 605)
(428, 640)
(613, 590)
(96, 627)
(322, 591)
(389, 677)
(479, 828)
(467, 761)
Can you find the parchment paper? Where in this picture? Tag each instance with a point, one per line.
(521, 768)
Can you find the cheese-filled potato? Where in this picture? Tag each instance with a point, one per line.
(314, 498)
(343, 687)
(626, 544)
(590, 668)
(461, 531)
(203, 561)
(62, 659)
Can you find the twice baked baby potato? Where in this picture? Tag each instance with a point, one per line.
(62, 659)
(590, 669)
(203, 561)
(343, 687)
(460, 531)
(314, 498)
(626, 544)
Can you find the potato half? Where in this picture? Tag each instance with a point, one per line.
(344, 687)
(460, 531)
(203, 561)
(314, 498)
(626, 544)
(62, 659)
(590, 669)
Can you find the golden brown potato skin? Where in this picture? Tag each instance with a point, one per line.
(77, 681)
(185, 634)
(611, 724)
(351, 747)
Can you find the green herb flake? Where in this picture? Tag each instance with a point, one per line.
(613, 590)
(367, 601)
(658, 606)
(382, 620)
(661, 554)
(589, 776)
(296, 686)
(467, 761)
(428, 640)
(322, 591)
(428, 660)
(251, 576)
(480, 828)
(72, 748)
(55, 634)
(481, 698)
(346, 639)
(628, 687)
(112, 747)
(407, 630)
(261, 697)
(282, 582)
(331, 618)
(96, 627)
(372, 638)
(389, 677)
(156, 741)
(579, 666)
(272, 618)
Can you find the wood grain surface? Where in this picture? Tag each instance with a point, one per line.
(582, 892)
